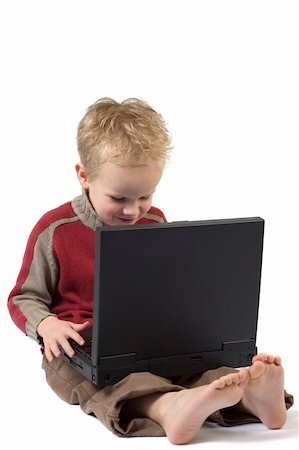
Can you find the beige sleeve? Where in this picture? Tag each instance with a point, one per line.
(35, 295)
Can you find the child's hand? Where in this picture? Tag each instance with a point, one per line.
(56, 332)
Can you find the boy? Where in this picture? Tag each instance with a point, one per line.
(123, 149)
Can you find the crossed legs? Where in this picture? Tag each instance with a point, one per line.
(259, 389)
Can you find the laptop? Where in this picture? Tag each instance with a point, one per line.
(173, 299)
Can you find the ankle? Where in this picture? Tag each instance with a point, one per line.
(152, 406)
(156, 406)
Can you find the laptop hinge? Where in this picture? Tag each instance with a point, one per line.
(247, 345)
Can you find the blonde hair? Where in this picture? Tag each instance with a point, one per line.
(125, 133)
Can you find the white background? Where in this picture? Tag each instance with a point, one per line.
(224, 74)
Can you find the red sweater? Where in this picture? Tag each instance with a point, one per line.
(56, 277)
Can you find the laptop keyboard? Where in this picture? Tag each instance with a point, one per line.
(83, 349)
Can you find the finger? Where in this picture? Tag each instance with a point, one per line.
(81, 326)
(48, 353)
(75, 336)
(68, 348)
(55, 349)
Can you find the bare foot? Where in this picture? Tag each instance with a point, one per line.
(182, 413)
(264, 393)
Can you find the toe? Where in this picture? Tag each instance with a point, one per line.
(256, 370)
(270, 359)
(259, 357)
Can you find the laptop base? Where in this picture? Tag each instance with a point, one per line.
(113, 369)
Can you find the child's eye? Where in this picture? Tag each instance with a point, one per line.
(117, 199)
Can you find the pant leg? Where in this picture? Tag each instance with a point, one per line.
(106, 403)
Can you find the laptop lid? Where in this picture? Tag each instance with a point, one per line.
(165, 290)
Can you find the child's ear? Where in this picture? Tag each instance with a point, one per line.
(81, 174)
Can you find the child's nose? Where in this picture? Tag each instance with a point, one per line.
(131, 209)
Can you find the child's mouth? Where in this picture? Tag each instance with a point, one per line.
(127, 221)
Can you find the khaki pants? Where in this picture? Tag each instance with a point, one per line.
(106, 403)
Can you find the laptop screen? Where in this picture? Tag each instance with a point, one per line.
(166, 290)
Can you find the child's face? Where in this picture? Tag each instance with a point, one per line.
(121, 195)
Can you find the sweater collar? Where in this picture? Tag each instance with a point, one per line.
(85, 211)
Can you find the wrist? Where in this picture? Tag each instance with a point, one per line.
(44, 323)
